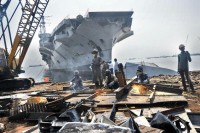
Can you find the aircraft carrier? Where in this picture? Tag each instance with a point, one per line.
(70, 44)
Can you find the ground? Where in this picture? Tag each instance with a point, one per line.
(193, 99)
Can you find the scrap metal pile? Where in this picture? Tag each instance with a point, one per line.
(132, 108)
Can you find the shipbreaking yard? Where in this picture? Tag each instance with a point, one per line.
(53, 107)
(160, 106)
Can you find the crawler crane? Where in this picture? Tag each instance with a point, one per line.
(11, 61)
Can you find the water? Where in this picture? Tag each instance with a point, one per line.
(171, 62)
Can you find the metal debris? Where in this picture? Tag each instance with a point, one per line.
(101, 110)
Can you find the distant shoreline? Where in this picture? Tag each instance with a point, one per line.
(164, 56)
(195, 54)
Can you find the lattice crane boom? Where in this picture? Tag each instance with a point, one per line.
(30, 19)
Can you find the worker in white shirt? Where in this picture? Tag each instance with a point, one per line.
(115, 67)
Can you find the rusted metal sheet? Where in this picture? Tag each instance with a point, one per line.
(32, 107)
(20, 111)
(74, 100)
(172, 110)
(35, 116)
(81, 97)
(141, 101)
(167, 88)
(186, 118)
(146, 129)
(58, 103)
(122, 92)
(5, 103)
(195, 120)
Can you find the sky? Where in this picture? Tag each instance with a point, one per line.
(159, 26)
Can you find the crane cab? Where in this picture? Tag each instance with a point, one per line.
(5, 72)
(3, 60)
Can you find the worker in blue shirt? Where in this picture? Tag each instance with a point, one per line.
(183, 67)
(141, 76)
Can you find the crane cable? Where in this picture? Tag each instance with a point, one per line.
(40, 72)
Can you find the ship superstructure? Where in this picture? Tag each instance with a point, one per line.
(69, 46)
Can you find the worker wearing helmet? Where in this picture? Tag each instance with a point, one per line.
(141, 76)
(183, 67)
(111, 80)
(140, 69)
(96, 69)
(76, 83)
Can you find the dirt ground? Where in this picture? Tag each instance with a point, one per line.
(193, 99)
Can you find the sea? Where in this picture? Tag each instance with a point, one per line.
(169, 62)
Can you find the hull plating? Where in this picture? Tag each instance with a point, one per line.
(69, 46)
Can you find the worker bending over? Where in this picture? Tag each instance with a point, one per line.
(76, 83)
(111, 81)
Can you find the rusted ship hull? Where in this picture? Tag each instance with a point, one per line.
(69, 46)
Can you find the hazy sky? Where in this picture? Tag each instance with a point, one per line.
(159, 25)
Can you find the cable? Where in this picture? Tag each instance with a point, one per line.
(40, 72)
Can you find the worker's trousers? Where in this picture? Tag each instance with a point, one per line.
(183, 75)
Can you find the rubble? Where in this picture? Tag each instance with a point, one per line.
(132, 108)
(2, 127)
(91, 128)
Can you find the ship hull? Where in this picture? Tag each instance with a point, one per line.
(69, 47)
(131, 69)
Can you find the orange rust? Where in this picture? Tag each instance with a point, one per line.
(141, 89)
(99, 92)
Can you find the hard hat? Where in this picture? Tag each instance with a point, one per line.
(95, 51)
(107, 72)
(181, 46)
(76, 73)
(79, 18)
(140, 68)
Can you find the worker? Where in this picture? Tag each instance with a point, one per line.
(111, 80)
(183, 67)
(104, 67)
(110, 64)
(141, 76)
(96, 68)
(76, 83)
(115, 66)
